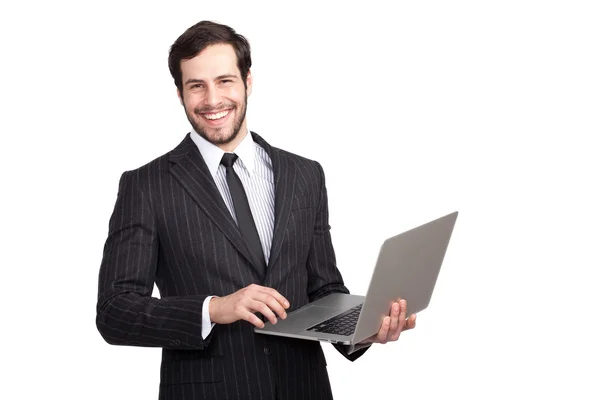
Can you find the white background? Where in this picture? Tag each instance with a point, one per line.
(415, 109)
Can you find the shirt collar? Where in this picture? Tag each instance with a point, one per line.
(246, 152)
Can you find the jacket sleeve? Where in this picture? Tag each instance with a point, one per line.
(324, 276)
(126, 313)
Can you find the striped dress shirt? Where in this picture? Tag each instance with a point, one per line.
(255, 170)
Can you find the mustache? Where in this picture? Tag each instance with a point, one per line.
(221, 107)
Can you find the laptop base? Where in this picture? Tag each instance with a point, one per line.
(298, 322)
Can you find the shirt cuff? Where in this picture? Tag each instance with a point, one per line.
(207, 325)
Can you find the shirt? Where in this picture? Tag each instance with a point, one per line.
(255, 170)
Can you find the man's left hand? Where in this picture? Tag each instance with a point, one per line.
(393, 325)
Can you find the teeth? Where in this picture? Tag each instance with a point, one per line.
(217, 115)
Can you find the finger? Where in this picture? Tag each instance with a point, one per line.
(395, 334)
(272, 303)
(383, 331)
(411, 322)
(253, 319)
(402, 315)
(255, 305)
(275, 294)
(395, 324)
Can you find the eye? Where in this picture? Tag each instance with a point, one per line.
(197, 86)
(227, 81)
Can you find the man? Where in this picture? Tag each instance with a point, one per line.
(230, 229)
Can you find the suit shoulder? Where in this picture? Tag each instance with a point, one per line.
(153, 168)
(150, 168)
(301, 161)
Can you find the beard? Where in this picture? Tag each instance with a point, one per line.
(222, 135)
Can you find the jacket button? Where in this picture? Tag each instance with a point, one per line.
(177, 342)
(267, 351)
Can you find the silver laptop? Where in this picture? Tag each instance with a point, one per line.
(407, 268)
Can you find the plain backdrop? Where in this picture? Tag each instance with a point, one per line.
(415, 109)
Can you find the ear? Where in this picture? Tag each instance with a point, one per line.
(249, 83)
(180, 97)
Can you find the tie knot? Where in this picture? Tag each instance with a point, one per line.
(229, 159)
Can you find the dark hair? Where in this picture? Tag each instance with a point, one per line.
(201, 35)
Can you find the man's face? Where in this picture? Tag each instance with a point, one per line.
(214, 95)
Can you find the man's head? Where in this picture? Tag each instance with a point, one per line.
(210, 64)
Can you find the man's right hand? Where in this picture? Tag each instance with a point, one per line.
(245, 302)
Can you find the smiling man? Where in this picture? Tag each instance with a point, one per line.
(233, 231)
(214, 95)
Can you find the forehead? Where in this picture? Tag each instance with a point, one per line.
(215, 60)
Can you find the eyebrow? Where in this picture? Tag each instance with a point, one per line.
(218, 78)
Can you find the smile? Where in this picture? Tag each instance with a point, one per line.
(216, 116)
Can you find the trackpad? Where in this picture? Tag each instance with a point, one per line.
(311, 315)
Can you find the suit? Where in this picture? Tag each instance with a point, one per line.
(170, 225)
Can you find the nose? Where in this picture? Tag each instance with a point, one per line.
(213, 97)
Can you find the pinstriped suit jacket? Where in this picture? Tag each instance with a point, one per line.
(170, 225)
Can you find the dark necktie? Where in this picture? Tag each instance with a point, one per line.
(243, 213)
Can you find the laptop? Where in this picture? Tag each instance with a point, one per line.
(407, 268)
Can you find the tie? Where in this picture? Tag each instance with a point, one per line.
(243, 213)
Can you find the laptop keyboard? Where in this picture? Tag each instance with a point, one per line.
(342, 324)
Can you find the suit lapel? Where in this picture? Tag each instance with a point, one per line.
(284, 177)
(190, 170)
